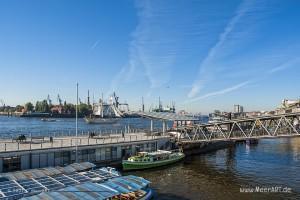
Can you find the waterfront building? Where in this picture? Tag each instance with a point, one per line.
(238, 109)
(288, 106)
(62, 151)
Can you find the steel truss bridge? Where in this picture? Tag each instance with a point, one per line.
(284, 125)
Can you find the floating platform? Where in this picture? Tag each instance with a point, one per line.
(61, 151)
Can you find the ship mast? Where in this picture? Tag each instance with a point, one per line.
(102, 106)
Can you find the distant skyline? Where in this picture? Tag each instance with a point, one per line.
(204, 55)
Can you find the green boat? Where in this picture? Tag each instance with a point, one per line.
(146, 160)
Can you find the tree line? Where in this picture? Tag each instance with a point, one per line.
(44, 107)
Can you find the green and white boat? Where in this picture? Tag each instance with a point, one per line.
(146, 160)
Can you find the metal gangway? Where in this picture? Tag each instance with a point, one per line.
(272, 126)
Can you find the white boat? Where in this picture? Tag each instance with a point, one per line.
(48, 120)
(94, 120)
(104, 113)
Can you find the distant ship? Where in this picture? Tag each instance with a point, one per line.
(168, 109)
(105, 113)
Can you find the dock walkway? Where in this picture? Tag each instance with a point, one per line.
(11, 145)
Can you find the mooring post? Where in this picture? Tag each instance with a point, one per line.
(151, 126)
(164, 127)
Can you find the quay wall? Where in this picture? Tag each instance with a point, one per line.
(204, 147)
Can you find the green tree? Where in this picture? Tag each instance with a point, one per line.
(83, 109)
(38, 106)
(42, 106)
(19, 108)
(69, 108)
(29, 107)
(45, 106)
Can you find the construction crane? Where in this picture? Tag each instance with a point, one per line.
(116, 99)
(143, 105)
(59, 100)
(2, 103)
(49, 100)
(117, 103)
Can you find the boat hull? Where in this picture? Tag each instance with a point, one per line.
(131, 165)
(101, 120)
(148, 195)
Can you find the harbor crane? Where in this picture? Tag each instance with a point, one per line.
(59, 100)
(49, 100)
(2, 103)
(117, 103)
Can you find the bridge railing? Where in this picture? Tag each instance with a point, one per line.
(285, 125)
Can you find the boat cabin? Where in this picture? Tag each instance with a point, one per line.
(150, 157)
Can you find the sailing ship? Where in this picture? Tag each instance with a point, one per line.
(146, 160)
(104, 113)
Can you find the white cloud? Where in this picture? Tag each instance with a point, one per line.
(165, 32)
(219, 92)
(207, 61)
(94, 45)
(285, 65)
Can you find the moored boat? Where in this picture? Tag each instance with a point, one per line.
(94, 120)
(48, 120)
(146, 160)
(104, 113)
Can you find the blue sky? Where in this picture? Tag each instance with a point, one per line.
(204, 54)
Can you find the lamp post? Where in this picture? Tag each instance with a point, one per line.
(76, 146)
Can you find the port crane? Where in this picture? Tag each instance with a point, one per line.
(59, 100)
(3, 104)
(49, 100)
(117, 103)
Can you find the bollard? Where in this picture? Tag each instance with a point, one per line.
(5, 146)
(18, 146)
(41, 145)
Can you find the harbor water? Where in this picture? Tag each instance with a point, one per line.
(14, 126)
(223, 174)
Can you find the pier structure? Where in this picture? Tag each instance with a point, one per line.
(37, 152)
(272, 126)
(165, 117)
